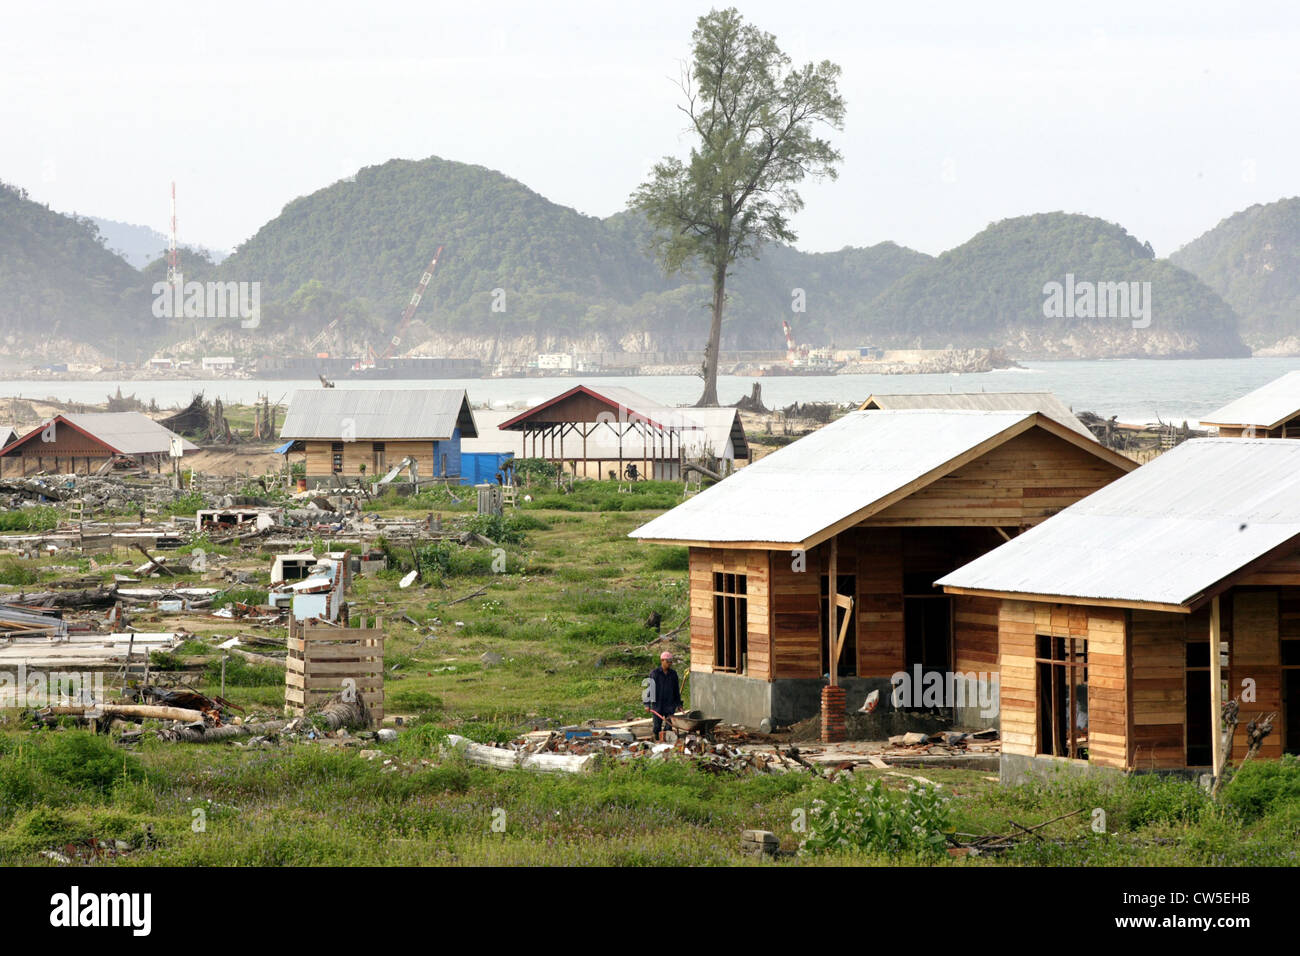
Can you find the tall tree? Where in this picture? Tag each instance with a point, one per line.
(753, 118)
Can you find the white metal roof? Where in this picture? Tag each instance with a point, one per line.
(131, 433)
(1044, 402)
(365, 414)
(793, 494)
(1265, 407)
(1162, 534)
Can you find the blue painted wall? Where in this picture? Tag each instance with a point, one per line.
(482, 466)
(451, 449)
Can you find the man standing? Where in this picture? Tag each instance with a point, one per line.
(665, 693)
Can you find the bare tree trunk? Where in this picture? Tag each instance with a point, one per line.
(710, 397)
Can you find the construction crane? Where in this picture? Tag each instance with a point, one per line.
(411, 306)
(320, 336)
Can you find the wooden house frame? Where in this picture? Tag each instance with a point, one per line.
(1190, 597)
(883, 503)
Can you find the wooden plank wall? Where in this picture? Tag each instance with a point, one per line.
(796, 614)
(755, 564)
(1159, 690)
(1107, 685)
(1019, 624)
(1255, 655)
(1017, 718)
(320, 457)
(975, 634)
(880, 601)
(1021, 482)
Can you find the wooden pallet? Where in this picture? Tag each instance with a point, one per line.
(325, 660)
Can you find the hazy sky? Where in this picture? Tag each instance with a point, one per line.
(1163, 117)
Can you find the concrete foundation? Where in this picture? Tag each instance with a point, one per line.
(1017, 769)
(748, 702)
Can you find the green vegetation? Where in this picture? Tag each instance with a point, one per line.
(993, 284)
(865, 816)
(1252, 259)
(58, 280)
(567, 616)
(38, 518)
(756, 119)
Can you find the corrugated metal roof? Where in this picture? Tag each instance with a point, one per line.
(1162, 534)
(131, 433)
(1265, 407)
(793, 494)
(1044, 402)
(377, 414)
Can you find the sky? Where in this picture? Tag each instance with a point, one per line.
(1162, 117)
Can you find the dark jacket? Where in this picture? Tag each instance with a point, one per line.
(668, 691)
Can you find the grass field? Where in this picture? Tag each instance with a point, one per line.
(566, 615)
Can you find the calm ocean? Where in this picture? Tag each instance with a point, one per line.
(1136, 390)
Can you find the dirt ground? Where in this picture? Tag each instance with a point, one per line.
(242, 459)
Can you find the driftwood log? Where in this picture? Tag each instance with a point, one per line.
(334, 715)
(136, 711)
(88, 598)
(503, 759)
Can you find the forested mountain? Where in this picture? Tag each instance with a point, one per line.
(523, 272)
(991, 291)
(59, 286)
(368, 239)
(1252, 259)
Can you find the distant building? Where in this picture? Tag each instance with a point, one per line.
(161, 361)
(217, 363)
(1044, 402)
(351, 432)
(555, 361)
(1271, 411)
(591, 432)
(82, 443)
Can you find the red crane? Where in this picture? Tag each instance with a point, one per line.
(411, 307)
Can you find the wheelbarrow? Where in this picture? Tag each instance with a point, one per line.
(689, 724)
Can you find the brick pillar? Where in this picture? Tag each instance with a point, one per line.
(833, 725)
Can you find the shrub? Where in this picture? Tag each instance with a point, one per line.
(39, 518)
(244, 673)
(1149, 799)
(17, 573)
(853, 816)
(1262, 786)
(670, 559)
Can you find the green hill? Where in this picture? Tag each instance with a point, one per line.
(366, 240)
(991, 291)
(58, 282)
(1252, 259)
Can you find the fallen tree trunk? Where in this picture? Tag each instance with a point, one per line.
(212, 735)
(503, 759)
(138, 711)
(88, 598)
(335, 715)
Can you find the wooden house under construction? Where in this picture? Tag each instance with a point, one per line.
(346, 433)
(882, 503)
(1126, 620)
(1271, 411)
